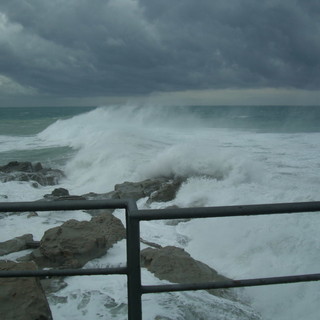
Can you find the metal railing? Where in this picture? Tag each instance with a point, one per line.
(133, 218)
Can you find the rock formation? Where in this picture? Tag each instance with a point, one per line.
(16, 244)
(177, 266)
(159, 189)
(27, 171)
(22, 298)
(74, 243)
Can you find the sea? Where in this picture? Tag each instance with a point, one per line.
(229, 155)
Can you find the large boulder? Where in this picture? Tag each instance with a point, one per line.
(177, 266)
(22, 298)
(27, 171)
(74, 243)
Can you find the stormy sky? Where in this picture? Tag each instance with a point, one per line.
(205, 51)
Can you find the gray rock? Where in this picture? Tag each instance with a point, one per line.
(15, 244)
(100, 196)
(74, 243)
(14, 166)
(60, 192)
(177, 266)
(158, 189)
(133, 190)
(167, 191)
(26, 171)
(22, 298)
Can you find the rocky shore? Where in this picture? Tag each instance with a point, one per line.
(74, 243)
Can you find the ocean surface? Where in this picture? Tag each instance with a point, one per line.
(229, 155)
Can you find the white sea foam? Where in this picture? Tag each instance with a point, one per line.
(223, 166)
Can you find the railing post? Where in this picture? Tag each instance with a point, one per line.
(133, 264)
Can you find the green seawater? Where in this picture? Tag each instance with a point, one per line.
(32, 120)
(22, 123)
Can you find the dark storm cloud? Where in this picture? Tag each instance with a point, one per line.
(125, 47)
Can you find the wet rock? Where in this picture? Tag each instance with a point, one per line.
(177, 266)
(22, 298)
(100, 196)
(157, 189)
(74, 243)
(132, 190)
(60, 192)
(27, 171)
(15, 166)
(15, 244)
(167, 191)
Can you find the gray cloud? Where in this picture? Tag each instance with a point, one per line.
(126, 47)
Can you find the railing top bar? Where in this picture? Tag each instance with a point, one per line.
(63, 205)
(230, 283)
(159, 214)
(226, 211)
(62, 272)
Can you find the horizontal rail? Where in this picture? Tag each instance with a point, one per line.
(230, 283)
(62, 272)
(63, 205)
(133, 218)
(226, 211)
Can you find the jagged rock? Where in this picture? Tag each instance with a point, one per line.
(15, 244)
(14, 166)
(166, 192)
(62, 194)
(177, 266)
(26, 171)
(22, 298)
(50, 197)
(101, 196)
(74, 243)
(134, 190)
(158, 189)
